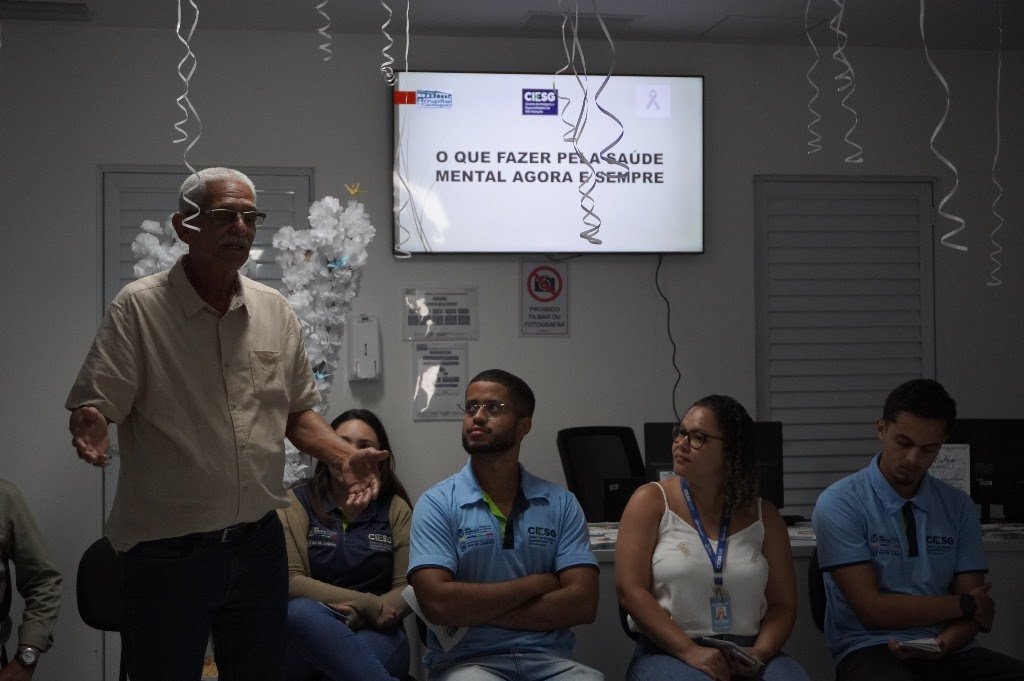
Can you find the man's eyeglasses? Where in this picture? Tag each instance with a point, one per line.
(493, 408)
(697, 438)
(222, 217)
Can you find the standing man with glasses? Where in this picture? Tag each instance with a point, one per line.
(502, 552)
(903, 560)
(204, 372)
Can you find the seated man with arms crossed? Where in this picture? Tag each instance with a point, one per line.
(902, 557)
(502, 552)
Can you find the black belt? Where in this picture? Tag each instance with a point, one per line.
(233, 533)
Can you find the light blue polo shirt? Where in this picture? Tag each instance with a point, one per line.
(453, 529)
(859, 519)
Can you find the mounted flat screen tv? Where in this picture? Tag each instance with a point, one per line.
(487, 163)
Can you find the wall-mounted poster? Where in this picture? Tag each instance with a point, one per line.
(440, 375)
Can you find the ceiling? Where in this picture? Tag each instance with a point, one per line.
(965, 24)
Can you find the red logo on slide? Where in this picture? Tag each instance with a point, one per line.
(405, 97)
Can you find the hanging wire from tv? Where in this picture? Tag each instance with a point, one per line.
(671, 339)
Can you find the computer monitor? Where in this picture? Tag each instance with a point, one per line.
(768, 446)
(997, 463)
(658, 448)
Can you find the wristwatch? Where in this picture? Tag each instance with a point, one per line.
(27, 656)
(968, 606)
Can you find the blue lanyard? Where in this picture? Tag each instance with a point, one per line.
(717, 557)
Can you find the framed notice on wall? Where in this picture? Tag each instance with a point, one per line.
(544, 295)
(440, 313)
(440, 375)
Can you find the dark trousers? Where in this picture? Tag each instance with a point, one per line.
(976, 664)
(180, 591)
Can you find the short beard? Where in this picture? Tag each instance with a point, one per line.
(492, 447)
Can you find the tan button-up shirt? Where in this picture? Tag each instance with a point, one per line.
(201, 402)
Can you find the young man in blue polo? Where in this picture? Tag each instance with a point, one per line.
(502, 552)
(903, 560)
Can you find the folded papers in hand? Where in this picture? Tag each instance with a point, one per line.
(925, 645)
(733, 650)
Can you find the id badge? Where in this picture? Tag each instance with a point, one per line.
(721, 611)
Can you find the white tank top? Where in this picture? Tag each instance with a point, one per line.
(683, 579)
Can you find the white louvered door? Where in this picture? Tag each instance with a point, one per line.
(844, 314)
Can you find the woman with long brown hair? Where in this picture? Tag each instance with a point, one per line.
(347, 570)
(702, 562)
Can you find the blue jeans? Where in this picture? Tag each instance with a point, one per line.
(514, 666)
(651, 663)
(179, 591)
(321, 646)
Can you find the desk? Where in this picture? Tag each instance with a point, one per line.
(604, 646)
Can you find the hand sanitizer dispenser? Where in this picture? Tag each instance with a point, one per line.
(364, 361)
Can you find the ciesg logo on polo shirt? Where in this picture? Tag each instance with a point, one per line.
(541, 536)
(538, 102)
(938, 544)
(379, 541)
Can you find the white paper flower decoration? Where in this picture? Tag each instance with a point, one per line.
(156, 247)
(320, 268)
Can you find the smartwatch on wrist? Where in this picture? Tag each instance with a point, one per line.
(27, 656)
(968, 606)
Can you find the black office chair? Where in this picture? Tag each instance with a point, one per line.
(99, 590)
(602, 466)
(816, 590)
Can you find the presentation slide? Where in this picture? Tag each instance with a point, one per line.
(492, 162)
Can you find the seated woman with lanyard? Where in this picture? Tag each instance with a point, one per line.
(705, 604)
(346, 573)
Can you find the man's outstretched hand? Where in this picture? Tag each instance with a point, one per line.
(89, 435)
(361, 473)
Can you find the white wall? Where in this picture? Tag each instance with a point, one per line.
(72, 98)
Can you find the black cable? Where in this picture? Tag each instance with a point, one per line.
(668, 327)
